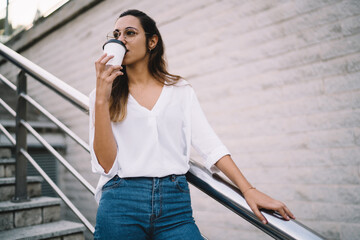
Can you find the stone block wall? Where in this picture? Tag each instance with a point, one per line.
(278, 81)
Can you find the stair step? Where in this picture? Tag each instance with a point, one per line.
(5, 152)
(7, 187)
(55, 139)
(7, 206)
(38, 210)
(47, 230)
(35, 124)
(11, 180)
(7, 167)
(7, 161)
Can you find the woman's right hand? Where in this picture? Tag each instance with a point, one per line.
(105, 75)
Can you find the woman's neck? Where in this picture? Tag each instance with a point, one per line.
(138, 74)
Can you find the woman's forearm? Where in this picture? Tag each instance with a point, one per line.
(229, 168)
(104, 143)
(255, 199)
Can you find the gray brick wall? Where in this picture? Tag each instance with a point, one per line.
(278, 81)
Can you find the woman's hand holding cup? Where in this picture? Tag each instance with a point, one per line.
(105, 75)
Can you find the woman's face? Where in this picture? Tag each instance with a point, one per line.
(133, 36)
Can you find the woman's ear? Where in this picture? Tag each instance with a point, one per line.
(153, 42)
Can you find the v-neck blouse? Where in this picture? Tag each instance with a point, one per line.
(131, 98)
(157, 142)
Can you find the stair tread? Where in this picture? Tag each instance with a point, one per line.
(34, 124)
(6, 206)
(7, 161)
(42, 231)
(11, 180)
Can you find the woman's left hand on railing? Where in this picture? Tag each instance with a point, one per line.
(258, 200)
(254, 198)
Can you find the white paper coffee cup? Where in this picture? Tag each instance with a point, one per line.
(117, 49)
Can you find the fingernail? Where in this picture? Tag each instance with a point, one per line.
(263, 221)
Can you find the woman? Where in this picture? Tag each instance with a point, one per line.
(143, 121)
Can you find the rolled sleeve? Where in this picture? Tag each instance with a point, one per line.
(203, 138)
(215, 156)
(95, 166)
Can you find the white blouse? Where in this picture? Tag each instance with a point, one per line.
(156, 143)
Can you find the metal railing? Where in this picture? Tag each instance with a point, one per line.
(212, 184)
(22, 155)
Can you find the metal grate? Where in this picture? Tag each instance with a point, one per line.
(49, 164)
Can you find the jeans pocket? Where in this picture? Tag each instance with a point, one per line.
(182, 184)
(112, 183)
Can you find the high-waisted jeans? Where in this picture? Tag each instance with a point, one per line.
(146, 208)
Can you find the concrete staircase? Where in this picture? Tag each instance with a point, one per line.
(38, 218)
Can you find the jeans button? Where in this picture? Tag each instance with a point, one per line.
(173, 178)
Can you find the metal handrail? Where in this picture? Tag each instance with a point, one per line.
(52, 118)
(67, 201)
(7, 134)
(46, 113)
(68, 166)
(198, 175)
(62, 160)
(7, 107)
(230, 196)
(46, 78)
(7, 82)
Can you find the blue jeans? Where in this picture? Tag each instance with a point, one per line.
(146, 208)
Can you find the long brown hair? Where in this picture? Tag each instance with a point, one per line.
(157, 68)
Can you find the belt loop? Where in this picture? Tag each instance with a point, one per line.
(173, 177)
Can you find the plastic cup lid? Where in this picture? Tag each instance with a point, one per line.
(115, 41)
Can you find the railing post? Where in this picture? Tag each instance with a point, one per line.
(21, 143)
